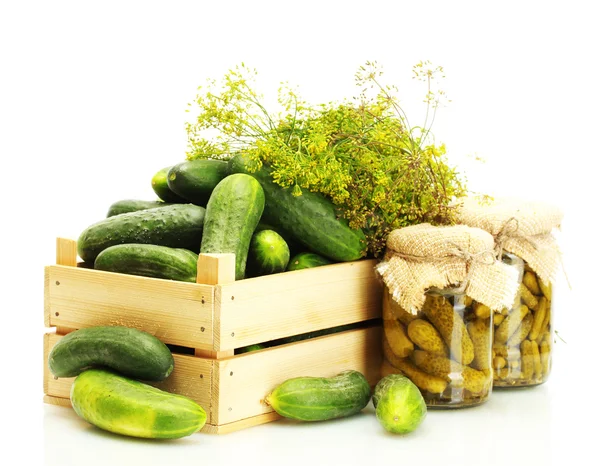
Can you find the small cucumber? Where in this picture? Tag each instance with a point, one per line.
(293, 245)
(133, 205)
(175, 226)
(195, 180)
(161, 187)
(232, 214)
(268, 253)
(149, 260)
(117, 404)
(131, 352)
(399, 405)
(320, 398)
(306, 260)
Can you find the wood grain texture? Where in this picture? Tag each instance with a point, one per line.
(241, 383)
(46, 297)
(280, 305)
(66, 252)
(56, 401)
(241, 424)
(215, 268)
(176, 312)
(191, 377)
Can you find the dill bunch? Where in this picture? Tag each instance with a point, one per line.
(379, 171)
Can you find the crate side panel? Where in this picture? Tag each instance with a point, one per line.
(176, 312)
(245, 380)
(266, 308)
(191, 377)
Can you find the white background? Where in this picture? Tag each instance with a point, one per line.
(92, 101)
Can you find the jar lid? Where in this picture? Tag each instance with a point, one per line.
(518, 226)
(422, 257)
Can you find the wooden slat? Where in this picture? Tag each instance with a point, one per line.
(191, 377)
(242, 382)
(66, 252)
(213, 354)
(46, 297)
(241, 424)
(176, 312)
(56, 401)
(275, 306)
(215, 268)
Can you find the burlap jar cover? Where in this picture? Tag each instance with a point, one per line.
(524, 228)
(424, 256)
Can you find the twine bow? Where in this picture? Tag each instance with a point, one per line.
(510, 229)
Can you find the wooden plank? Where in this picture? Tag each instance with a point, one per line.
(280, 305)
(176, 312)
(201, 353)
(241, 383)
(56, 401)
(239, 425)
(216, 268)
(191, 377)
(46, 297)
(66, 252)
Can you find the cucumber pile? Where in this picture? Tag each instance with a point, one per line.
(217, 206)
(111, 365)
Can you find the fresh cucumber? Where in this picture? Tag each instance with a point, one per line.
(399, 405)
(161, 187)
(176, 226)
(149, 260)
(123, 406)
(232, 213)
(293, 245)
(268, 253)
(129, 351)
(310, 218)
(133, 205)
(306, 260)
(195, 180)
(321, 398)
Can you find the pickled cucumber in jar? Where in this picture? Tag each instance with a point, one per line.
(445, 350)
(523, 338)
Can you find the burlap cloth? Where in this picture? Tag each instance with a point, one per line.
(520, 227)
(422, 257)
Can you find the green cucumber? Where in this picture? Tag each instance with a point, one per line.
(399, 405)
(306, 260)
(195, 180)
(293, 245)
(117, 404)
(161, 187)
(129, 351)
(133, 205)
(321, 398)
(149, 260)
(176, 226)
(232, 213)
(268, 253)
(310, 218)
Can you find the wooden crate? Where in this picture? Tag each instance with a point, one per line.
(217, 315)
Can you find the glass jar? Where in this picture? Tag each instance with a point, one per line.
(445, 350)
(521, 352)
